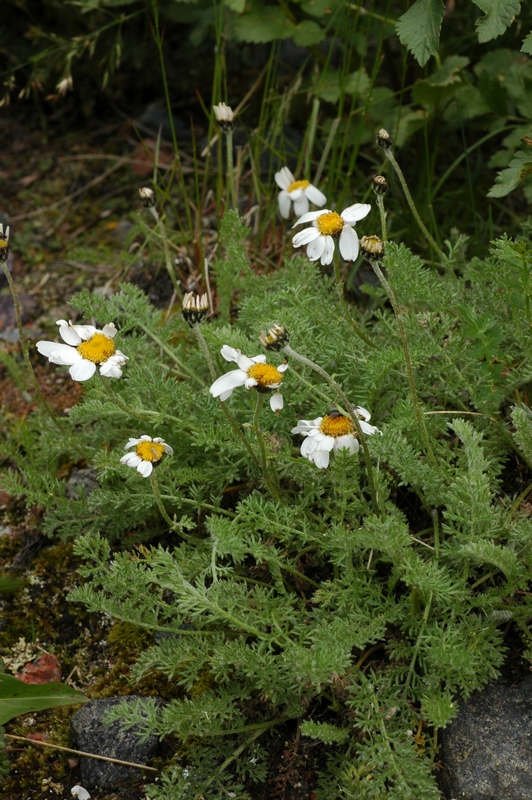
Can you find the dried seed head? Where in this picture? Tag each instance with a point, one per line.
(4, 243)
(379, 184)
(276, 338)
(147, 196)
(224, 116)
(194, 308)
(384, 139)
(372, 248)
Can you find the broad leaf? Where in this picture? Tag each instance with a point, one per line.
(236, 5)
(498, 15)
(262, 24)
(419, 28)
(307, 33)
(527, 45)
(18, 698)
(519, 168)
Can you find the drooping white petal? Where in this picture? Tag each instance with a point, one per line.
(327, 443)
(85, 332)
(109, 330)
(309, 445)
(362, 412)
(132, 443)
(284, 178)
(276, 402)
(369, 430)
(82, 370)
(284, 204)
(355, 212)
(348, 243)
(58, 353)
(300, 204)
(310, 216)
(305, 236)
(131, 459)
(315, 196)
(68, 332)
(226, 383)
(321, 459)
(315, 248)
(347, 442)
(328, 251)
(303, 426)
(145, 468)
(251, 383)
(229, 353)
(282, 367)
(167, 449)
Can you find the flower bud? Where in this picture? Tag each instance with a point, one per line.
(224, 116)
(4, 243)
(147, 197)
(384, 139)
(372, 248)
(194, 308)
(379, 184)
(276, 338)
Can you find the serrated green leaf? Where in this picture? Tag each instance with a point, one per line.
(18, 698)
(262, 24)
(527, 45)
(519, 168)
(419, 29)
(498, 15)
(307, 33)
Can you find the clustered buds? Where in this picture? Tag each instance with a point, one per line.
(276, 339)
(224, 116)
(147, 196)
(379, 184)
(4, 243)
(384, 139)
(195, 308)
(372, 248)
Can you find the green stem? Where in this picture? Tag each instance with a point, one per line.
(417, 647)
(399, 172)
(406, 350)
(343, 303)
(185, 371)
(262, 450)
(160, 505)
(348, 410)
(161, 229)
(231, 184)
(379, 199)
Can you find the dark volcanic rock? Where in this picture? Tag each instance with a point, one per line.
(486, 751)
(91, 734)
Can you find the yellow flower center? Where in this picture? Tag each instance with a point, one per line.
(3, 242)
(330, 224)
(150, 451)
(266, 375)
(298, 185)
(97, 349)
(336, 426)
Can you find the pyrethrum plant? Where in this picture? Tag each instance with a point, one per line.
(311, 574)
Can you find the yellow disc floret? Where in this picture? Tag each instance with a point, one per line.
(150, 451)
(298, 185)
(266, 375)
(336, 425)
(97, 349)
(330, 223)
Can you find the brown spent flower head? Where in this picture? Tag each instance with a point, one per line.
(384, 139)
(276, 338)
(4, 243)
(224, 116)
(379, 184)
(147, 196)
(195, 308)
(372, 248)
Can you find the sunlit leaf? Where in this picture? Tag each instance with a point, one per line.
(519, 168)
(498, 15)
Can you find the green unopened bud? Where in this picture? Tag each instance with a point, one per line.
(276, 338)
(379, 184)
(384, 139)
(372, 248)
(195, 308)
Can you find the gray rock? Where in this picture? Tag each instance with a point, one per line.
(89, 733)
(486, 751)
(81, 483)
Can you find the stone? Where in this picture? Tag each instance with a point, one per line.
(90, 734)
(486, 751)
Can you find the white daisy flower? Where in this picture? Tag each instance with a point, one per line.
(297, 192)
(147, 452)
(325, 225)
(334, 431)
(251, 373)
(85, 349)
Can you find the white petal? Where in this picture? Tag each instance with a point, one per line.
(355, 212)
(109, 330)
(251, 383)
(110, 369)
(282, 367)
(58, 353)
(347, 442)
(132, 442)
(310, 216)
(309, 445)
(169, 450)
(300, 204)
(284, 178)
(303, 426)
(145, 468)
(131, 459)
(228, 382)
(285, 204)
(82, 370)
(305, 236)
(276, 402)
(229, 353)
(328, 251)
(369, 430)
(327, 443)
(85, 332)
(146, 438)
(245, 363)
(360, 411)
(68, 333)
(315, 196)
(348, 243)
(321, 459)
(315, 248)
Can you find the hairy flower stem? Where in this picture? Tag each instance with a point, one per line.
(379, 199)
(345, 308)
(262, 449)
(231, 184)
(348, 410)
(24, 346)
(229, 417)
(161, 231)
(409, 366)
(409, 199)
(185, 371)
